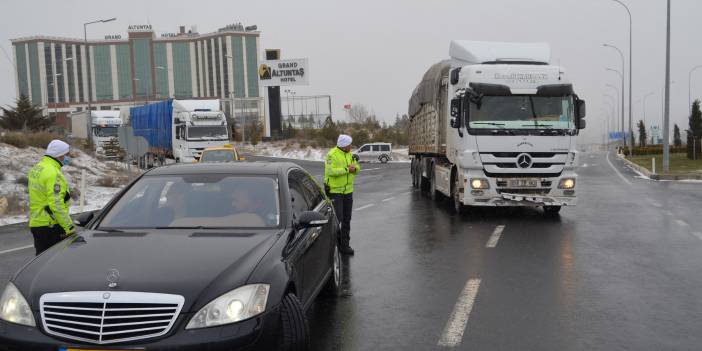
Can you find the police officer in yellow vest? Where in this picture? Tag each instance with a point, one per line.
(340, 170)
(49, 221)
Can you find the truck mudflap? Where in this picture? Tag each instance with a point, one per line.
(538, 199)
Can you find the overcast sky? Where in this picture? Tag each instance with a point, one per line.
(374, 52)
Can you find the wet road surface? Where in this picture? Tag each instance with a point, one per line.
(618, 272)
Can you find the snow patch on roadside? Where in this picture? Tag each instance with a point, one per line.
(15, 163)
(307, 153)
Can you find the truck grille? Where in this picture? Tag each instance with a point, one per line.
(109, 317)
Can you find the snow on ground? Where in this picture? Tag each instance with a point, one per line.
(309, 153)
(15, 163)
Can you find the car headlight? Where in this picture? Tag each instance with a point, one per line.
(239, 304)
(567, 183)
(479, 183)
(14, 308)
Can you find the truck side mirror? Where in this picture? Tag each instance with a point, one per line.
(455, 75)
(580, 114)
(580, 108)
(456, 109)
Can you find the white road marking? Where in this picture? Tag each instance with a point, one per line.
(615, 169)
(16, 249)
(405, 193)
(456, 325)
(364, 207)
(371, 169)
(668, 213)
(495, 237)
(681, 223)
(655, 204)
(698, 235)
(388, 199)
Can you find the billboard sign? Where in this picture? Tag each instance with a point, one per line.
(274, 73)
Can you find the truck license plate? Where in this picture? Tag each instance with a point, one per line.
(523, 183)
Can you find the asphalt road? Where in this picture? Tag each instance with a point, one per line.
(618, 272)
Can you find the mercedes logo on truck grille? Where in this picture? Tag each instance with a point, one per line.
(524, 161)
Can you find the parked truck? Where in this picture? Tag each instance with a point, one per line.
(103, 127)
(496, 125)
(179, 129)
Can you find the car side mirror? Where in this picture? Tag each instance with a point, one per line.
(83, 219)
(311, 219)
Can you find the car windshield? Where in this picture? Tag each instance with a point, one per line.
(218, 156)
(207, 132)
(106, 131)
(522, 112)
(197, 201)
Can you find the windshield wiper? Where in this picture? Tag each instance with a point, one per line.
(547, 126)
(490, 123)
(193, 227)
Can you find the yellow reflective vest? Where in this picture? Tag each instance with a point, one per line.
(336, 171)
(48, 196)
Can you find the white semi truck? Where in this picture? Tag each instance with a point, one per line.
(496, 125)
(103, 127)
(179, 129)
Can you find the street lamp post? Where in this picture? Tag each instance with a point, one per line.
(666, 115)
(689, 88)
(616, 90)
(644, 105)
(622, 77)
(621, 55)
(90, 84)
(630, 58)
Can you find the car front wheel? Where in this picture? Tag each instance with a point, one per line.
(333, 286)
(295, 335)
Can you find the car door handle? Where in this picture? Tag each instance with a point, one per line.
(314, 235)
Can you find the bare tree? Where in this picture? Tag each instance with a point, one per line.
(358, 113)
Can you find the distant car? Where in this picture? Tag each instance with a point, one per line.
(207, 256)
(375, 152)
(226, 153)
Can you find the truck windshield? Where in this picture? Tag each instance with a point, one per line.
(106, 131)
(207, 133)
(522, 112)
(197, 201)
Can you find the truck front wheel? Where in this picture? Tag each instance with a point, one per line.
(552, 210)
(458, 206)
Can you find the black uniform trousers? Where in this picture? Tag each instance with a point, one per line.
(343, 206)
(46, 237)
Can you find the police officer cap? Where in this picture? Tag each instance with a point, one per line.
(344, 140)
(57, 148)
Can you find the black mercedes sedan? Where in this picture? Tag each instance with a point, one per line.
(187, 257)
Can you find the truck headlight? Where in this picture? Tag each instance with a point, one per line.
(566, 183)
(479, 183)
(14, 308)
(239, 304)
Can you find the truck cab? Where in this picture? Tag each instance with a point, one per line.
(104, 128)
(197, 125)
(509, 121)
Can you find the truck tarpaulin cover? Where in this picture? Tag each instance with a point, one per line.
(428, 89)
(154, 122)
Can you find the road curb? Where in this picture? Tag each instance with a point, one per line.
(656, 176)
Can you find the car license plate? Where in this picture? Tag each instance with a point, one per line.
(523, 183)
(73, 349)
